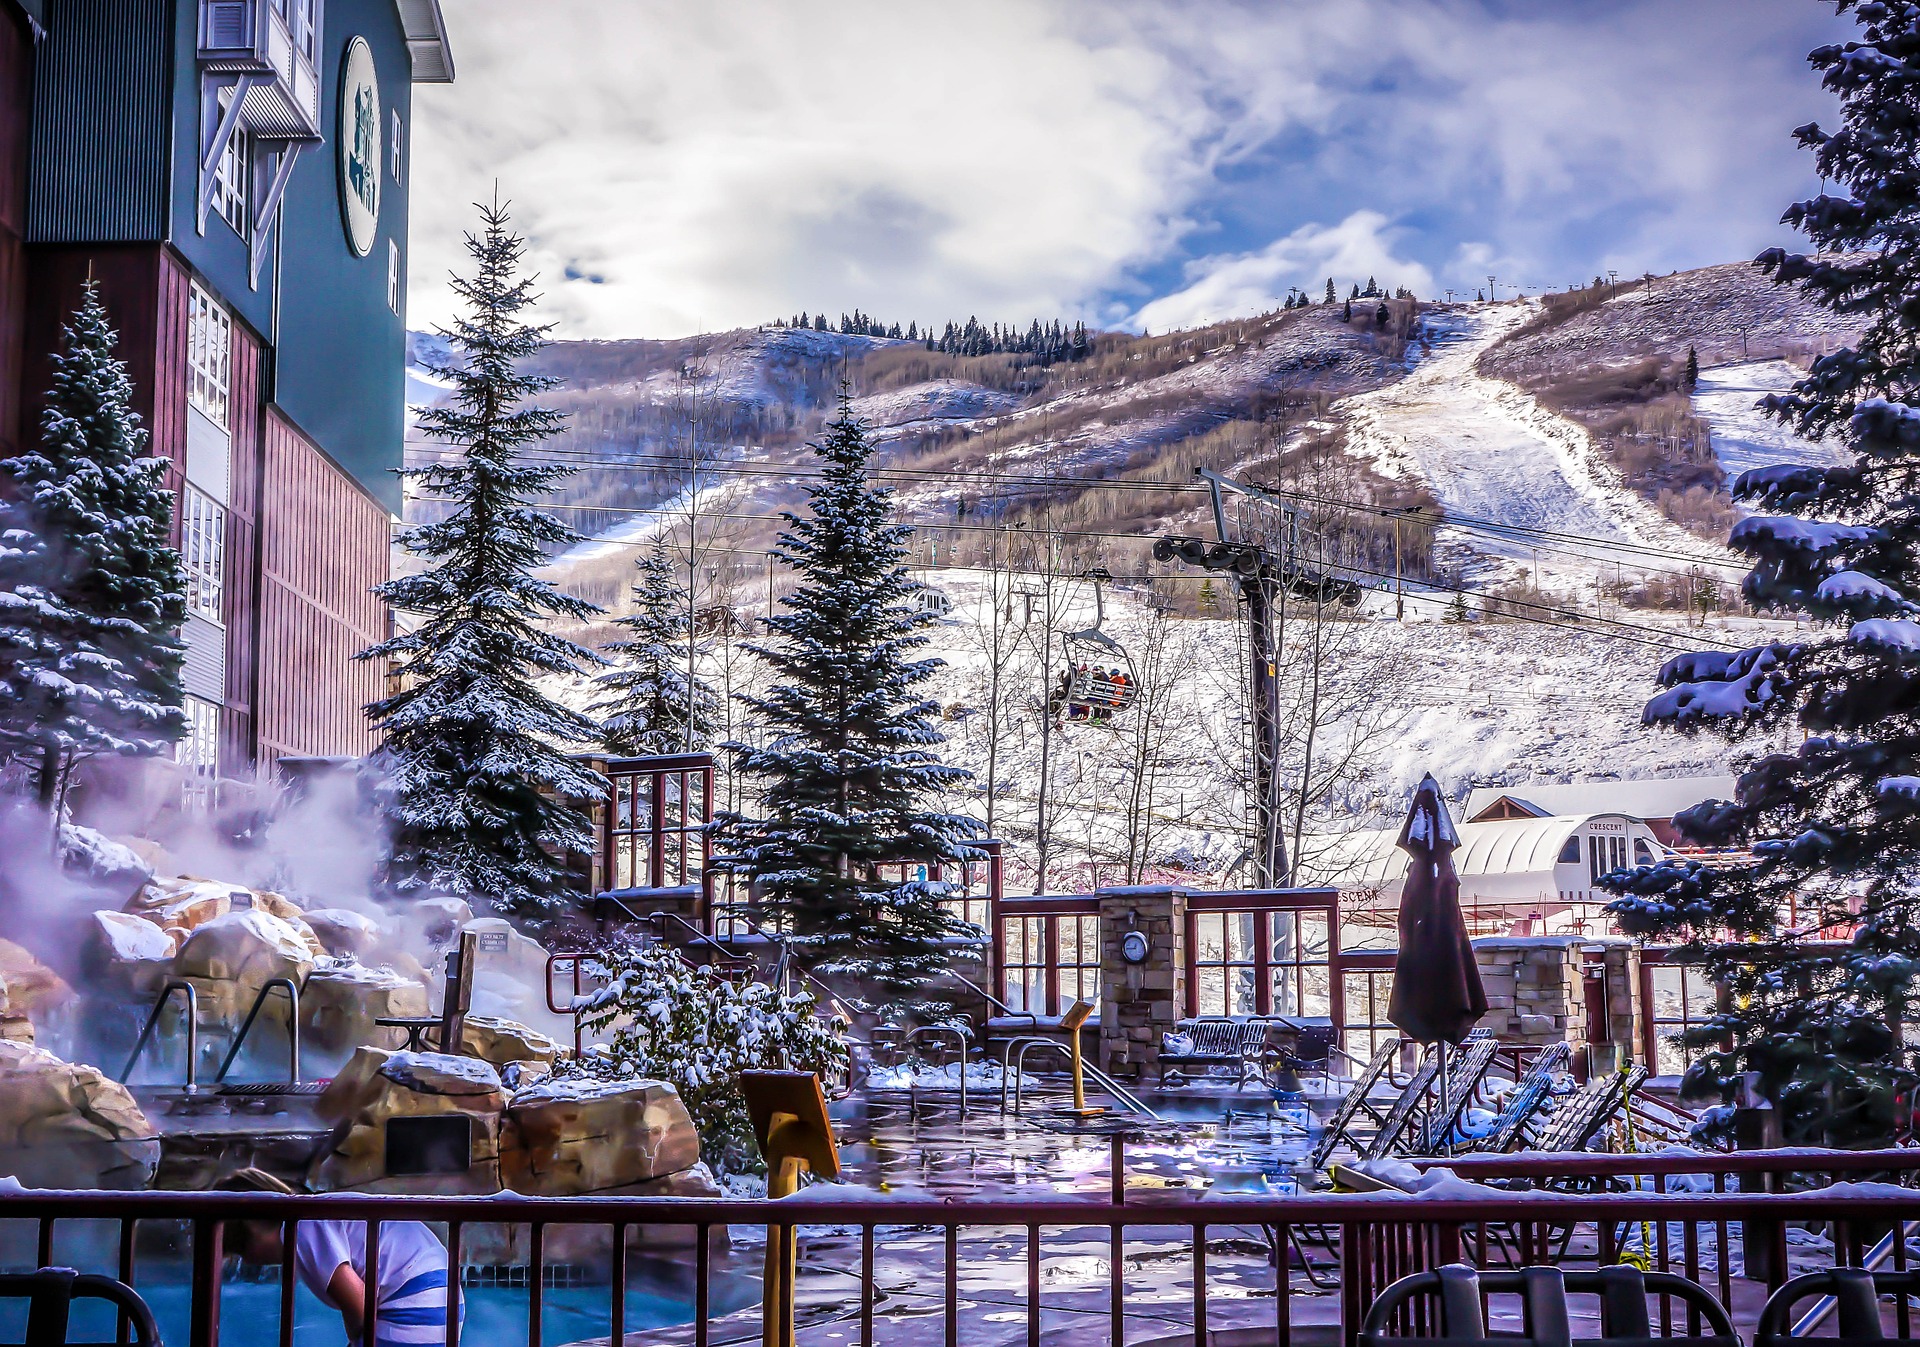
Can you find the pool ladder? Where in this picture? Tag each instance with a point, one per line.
(1013, 1072)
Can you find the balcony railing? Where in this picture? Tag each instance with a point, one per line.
(1362, 1242)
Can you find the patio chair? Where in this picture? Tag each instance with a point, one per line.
(1400, 1118)
(1528, 1097)
(1238, 1044)
(1461, 1316)
(1340, 1125)
(1581, 1116)
(1853, 1292)
(50, 1293)
(1464, 1079)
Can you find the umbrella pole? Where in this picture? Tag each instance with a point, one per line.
(1443, 1140)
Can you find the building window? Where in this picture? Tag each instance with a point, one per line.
(393, 275)
(198, 751)
(230, 180)
(1224, 963)
(398, 140)
(209, 355)
(203, 535)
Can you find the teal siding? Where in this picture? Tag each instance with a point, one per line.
(101, 109)
(340, 363)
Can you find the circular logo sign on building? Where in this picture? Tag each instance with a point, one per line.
(359, 146)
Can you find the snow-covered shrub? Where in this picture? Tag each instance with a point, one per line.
(697, 1031)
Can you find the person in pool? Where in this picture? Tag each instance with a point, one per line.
(330, 1258)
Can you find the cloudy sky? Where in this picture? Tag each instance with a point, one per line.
(682, 167)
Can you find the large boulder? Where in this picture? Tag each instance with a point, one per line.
(579, 1135)
(30, 993)
(510, 978)
(377, 1086)
(499, 1042)
(342, 998)
(181, 906)
(346, 934)
(64, 1125)
(127, 955)
(228, 959)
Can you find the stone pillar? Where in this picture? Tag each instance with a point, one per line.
(1139, 1002)
(1534, 990)
(1622, 960)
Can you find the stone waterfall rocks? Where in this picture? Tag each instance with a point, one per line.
(376, 1087)
(566, 1137)
(29, 993)
(229, 958)
(65, 1125)
(342, 998)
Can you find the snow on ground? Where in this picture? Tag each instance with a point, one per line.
(1490, 452)
(1743, 436)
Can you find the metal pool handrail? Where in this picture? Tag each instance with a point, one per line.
(193, 1030)
(293, 1029)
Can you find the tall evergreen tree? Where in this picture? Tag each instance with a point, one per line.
(471, 742)
(652, 707)
(1330, 295)
(92, 596)
(1832, 821)
(1692, 375)
(849, 775)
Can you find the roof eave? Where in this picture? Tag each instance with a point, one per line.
(426, 33)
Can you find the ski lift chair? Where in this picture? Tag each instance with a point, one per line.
(1100, 676)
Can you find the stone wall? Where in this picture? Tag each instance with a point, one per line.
(1140, 1002)
(1534, 991)
(1622, 960)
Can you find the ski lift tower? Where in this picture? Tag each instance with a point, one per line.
(1260, 570)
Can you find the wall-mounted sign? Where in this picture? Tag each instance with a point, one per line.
(359, 146)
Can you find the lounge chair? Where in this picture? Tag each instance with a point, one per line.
(1528, 1096)
(1340, 1125)
(1476, 1051)
(1581, 1115)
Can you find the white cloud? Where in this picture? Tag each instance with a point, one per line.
(1243, 283)
(695, 166)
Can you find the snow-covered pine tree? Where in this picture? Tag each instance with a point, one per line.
(1330, 295)
(1832, 822)
(92, 596)
(650, 707)
(471, 741)
(848, 771)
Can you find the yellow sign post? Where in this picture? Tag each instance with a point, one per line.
(1076, 1016)
(789, 1113)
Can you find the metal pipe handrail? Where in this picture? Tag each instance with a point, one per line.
(1807, 1323)
(153, 1018)
(1017, 1055)
(1586, 1164)
(960, 1035)
(293, 1029)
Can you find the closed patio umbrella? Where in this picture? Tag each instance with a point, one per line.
(1437, 996)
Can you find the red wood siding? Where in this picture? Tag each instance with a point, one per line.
(323, 545)
(130, 288)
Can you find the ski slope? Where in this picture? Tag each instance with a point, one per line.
(1744, 437)
(1492, 454)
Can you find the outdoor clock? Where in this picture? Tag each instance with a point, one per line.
(1133, 947)
(359, 147)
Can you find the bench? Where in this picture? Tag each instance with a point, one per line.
(1216, 1042)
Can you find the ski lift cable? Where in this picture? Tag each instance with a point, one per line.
(963, 477)
(1578, 621)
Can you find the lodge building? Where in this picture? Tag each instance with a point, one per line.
(234, 174)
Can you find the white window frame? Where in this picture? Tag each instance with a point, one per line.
(393, 275)
(399, 141)
(203, 541)
(209, 355)
(198, 751)
(233, 177)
